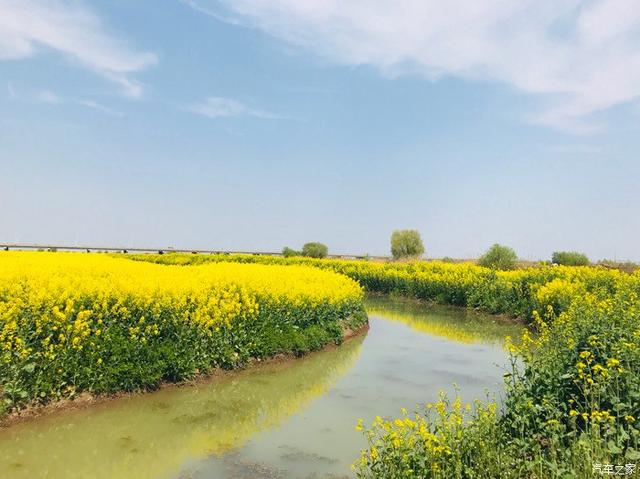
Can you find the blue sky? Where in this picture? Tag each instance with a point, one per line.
(250, 125)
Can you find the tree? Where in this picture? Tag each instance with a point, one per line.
(406, 244)
(570, 258)
(289, 252)
(315, 250)
(499, 257)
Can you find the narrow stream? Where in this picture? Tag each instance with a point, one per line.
(282, 420)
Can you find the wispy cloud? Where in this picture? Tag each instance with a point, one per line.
(75, 31)
(51, 98)
(98, 107)
(212, 11)
(582, 56)
(221, 107)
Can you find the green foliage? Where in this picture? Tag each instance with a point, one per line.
(290, 252)
(179, 351)
(406, 244)
(570, 258)
(442, 440)
(499, 257)
(315, 250)
(572, 401)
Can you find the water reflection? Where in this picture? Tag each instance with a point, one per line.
(455, 324)
(149, 436)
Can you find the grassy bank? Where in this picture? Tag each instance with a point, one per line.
(74, 322)
(572, 400)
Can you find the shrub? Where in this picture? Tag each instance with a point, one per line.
(289, 252)
(315, 250)
(499, 257)
(570, 258)
(406, 244)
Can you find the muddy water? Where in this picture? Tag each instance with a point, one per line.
(287, 420)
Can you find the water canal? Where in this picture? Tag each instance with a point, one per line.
(293, 419)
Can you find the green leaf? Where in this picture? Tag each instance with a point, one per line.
(613, 448)
(29, 368)
(632, 454)
(620, 406)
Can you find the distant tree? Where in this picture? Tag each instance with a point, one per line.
(406, 244)
(315, 250)
(570, 258)
(289, 252)
(499, 257)
(626, 266)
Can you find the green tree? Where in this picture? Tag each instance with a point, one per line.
(499, 257)
(289, 252)
(570, 258)
(315, 250)
(406, 244)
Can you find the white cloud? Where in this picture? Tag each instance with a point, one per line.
(221, 107)
(98, 107)
(583, 54)
(69, 28)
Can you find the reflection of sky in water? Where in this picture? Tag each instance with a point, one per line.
(280, 421)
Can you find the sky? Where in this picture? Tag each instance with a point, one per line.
(255, 124)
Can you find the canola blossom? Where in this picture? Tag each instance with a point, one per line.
(544, 290)
(77, 322)
(73, 322)
(572, 396)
